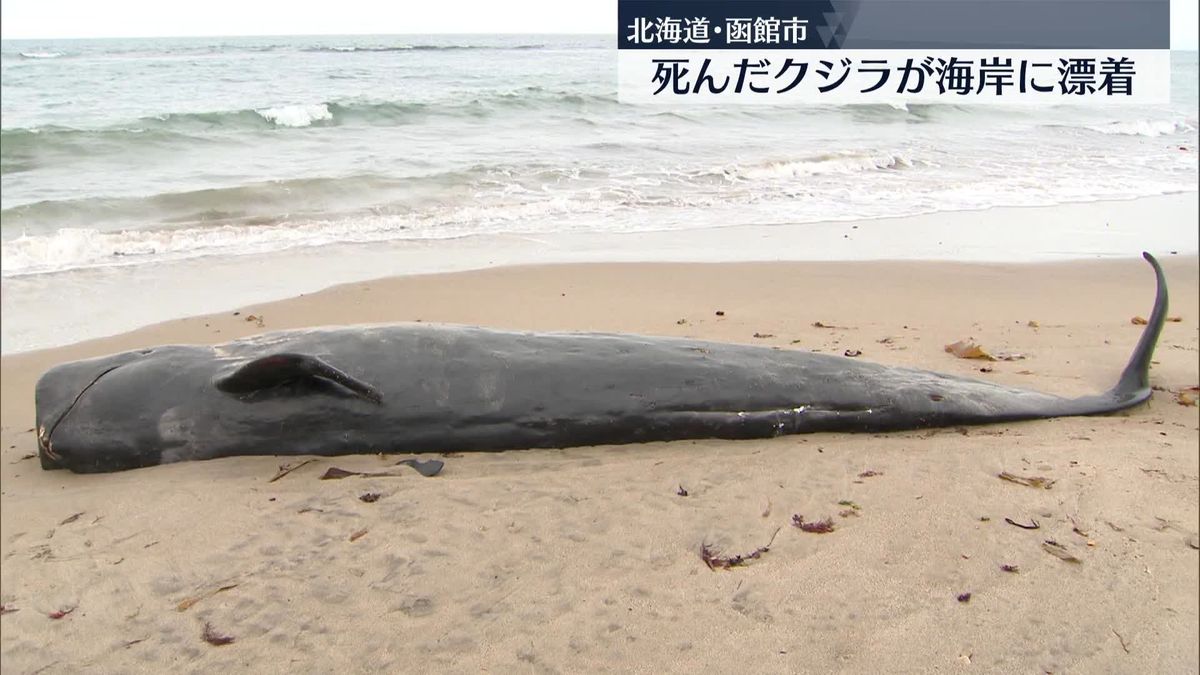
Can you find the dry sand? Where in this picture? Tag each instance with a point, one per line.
(587, 559)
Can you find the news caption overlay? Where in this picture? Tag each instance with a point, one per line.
(1050, 52)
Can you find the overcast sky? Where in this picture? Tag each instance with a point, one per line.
(161, 18)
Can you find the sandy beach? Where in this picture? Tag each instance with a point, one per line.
(588, 559)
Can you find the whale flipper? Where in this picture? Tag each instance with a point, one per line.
(271, 371)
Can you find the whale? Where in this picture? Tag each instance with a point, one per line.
(422, 388)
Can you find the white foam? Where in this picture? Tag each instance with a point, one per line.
(1148, 128)
(82, 248)
(71, 248)
(841, 163)
(42, 55)
(296, 115)
(370, 49)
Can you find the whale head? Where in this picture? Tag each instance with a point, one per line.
(96, 414)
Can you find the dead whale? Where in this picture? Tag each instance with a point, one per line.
(427, 388)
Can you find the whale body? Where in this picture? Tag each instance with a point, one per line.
(412, 388)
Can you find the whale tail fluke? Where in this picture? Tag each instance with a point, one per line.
(1132, 389)
(1135, 380)
(1134, 386)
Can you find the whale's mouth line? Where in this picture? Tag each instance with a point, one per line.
(45, 436)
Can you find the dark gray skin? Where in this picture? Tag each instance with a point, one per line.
(427, 388)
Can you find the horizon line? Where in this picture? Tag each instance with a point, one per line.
(276, 35)
(1189, 48)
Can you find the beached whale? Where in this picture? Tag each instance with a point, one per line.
(428, 388)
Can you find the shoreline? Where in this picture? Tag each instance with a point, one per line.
(598, 541)
(996, 235)
(428, 289)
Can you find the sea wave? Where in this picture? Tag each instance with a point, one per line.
(1143, 127)
(186, 128)
(275, 215)
(258, 202)
(494, 199)
(269, 202)
(296, 115)
(608, 210)
(19, 145)
(82, 248)
(42, 55)
(828, 163)
(29, 149)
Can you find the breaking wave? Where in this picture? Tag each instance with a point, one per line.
(831, 163)
(42, 55)
(296, 115)
(278, 215)
(211, 206)
(1149, 128)
(81, 247)
(19, 147)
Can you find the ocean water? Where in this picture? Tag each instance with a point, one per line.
(118, 153)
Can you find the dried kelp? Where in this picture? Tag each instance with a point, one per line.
(187, 603)
(212, 637)
(818, 527)
(1059, 551)
(1028, 481)
(715, 560)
